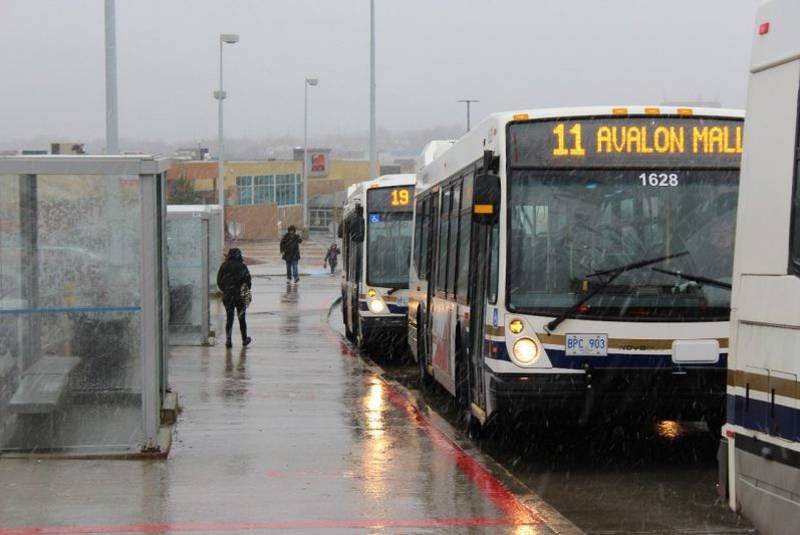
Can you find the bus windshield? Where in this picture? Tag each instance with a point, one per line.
(389, 230)
(571, 229)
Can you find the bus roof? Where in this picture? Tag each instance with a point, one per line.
(776, 39)
(589, 111)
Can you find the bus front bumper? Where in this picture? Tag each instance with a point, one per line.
(384, 327)
(694, 394)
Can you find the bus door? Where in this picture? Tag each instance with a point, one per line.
(433, 215)
(480, 249)
(355, 249)
(483, 246)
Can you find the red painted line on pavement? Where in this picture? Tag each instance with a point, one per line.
(516, 511)
(284, 525)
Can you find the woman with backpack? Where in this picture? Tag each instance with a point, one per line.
(331, 257)
(233, 279)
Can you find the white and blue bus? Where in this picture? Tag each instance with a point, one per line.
(577, 259)
(376, 246)
(760, 447)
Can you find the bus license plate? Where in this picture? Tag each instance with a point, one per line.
(402, 301)
(586, 345)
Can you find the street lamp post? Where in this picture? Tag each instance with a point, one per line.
(309, 82)
(224, 38)
(468, 101)
(373, 172)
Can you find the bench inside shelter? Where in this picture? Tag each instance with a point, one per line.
(41, 391)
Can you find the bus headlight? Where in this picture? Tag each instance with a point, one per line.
(377, 306)
(525, 351)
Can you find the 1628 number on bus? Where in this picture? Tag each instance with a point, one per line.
(660, 179)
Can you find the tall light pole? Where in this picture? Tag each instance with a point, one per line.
(468, 101)
(112, 124)
(224, 38)
(118, 254)
(373, 156)
(309, 82)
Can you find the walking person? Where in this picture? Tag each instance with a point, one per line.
(233, 279)
(331, 257)
(290, 252)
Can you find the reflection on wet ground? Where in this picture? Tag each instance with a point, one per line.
(292, 434)
(639, 479)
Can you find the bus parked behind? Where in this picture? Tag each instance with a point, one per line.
(376, 245)
(760, 447)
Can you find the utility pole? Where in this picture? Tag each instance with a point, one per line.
(112, 125)
(118, 255)
(373, 159)
(468, 101)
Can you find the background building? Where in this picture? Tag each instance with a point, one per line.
(265, 197)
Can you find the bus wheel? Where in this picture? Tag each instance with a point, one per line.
(362, 341)
(463, 394)
(349, 327)
(425, 379)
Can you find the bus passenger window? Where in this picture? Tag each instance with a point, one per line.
(424, 240)
(452, 249)
(494, 258)
(465, 228)
(418, 236)
(795, 230)
(444, 220)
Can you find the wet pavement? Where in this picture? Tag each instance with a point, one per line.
(638, 479)
(291, 434)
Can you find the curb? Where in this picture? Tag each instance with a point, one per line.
(537, 507)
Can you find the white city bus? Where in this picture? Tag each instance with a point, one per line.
(577, 259)
(760, 448)
(376, 239)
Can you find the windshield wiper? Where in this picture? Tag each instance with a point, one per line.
(696, 278)
(614, 273)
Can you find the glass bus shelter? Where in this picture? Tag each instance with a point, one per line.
(189, 251)
(215, 252)
(82, 300)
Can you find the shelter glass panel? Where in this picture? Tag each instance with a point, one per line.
(70, 302)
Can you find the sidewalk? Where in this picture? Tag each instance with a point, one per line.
(292, 434)
(264, 257)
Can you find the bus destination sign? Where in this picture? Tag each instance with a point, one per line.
(627, 142)
(397, 199)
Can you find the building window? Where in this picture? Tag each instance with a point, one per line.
(320, 218)
(244, 188)
(287, 189)
(263, 189)
(269, 189)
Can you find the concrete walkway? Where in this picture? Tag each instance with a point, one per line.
(293, 434)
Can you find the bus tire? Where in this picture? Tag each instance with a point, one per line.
(463, 392)
(425, 379)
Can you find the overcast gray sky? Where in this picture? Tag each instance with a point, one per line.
(507, 53)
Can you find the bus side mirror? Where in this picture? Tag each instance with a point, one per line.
(486, 200)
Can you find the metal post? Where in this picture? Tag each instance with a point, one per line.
(149, 346)
(118, 253)
(229, 38)
(29, 230)
(221, 153)
(205, 323)
(468, 101)
(373, 160)
(305, 153)
(112, 125)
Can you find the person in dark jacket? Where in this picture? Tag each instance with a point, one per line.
(290, 252)
(232, 275)
(331, 257)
